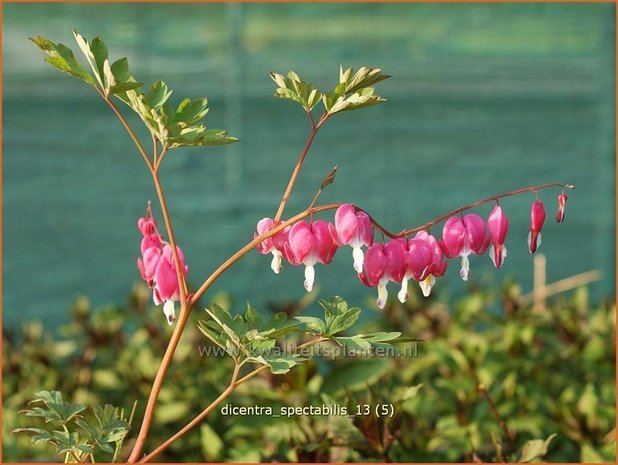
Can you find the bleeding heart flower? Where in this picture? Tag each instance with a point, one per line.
(562, 200)
(274, 244)
(354, 228)
(310, 243)
(462, 237)
(537, 218)
(166, 286)
(157, 267)
(384, 263)
(151, 247)
(438, 264)
(419, 257)
(498, 225)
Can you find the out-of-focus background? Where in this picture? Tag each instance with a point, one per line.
(483, 99)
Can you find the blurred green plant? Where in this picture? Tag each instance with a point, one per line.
(78, 439)
(511, 386)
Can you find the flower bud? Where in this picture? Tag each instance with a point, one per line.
(498, 225)
(562, 199)
(537, 218)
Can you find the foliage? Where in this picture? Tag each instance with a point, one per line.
(253, 338)
(74, 437)
(173, 127)
(183, 126)
(353, 92)
(549, 373)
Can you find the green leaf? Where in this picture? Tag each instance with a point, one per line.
(335, 305)
(366, 343)
(121, 80)
(292, 88)
(120, 70)
(251, 334)
(153, 119)
(112, 427)
(338, 316)
(66, 442)
(197, 136)
(109, 428)
(314, 325)
(55, 410)
(90, 432)
(225, 322)
(100, 53)
(535, 448)
(89, 53)
(189, 111)
(253, 317)
(62, 58)
(158, 95)
(212, 445)
(364, 77)
(355, 343)
(174, 128)
(106, 448)
(212, 334)
(279, 325)
(40, 435)
(344, 321)
(383, 336)
(278, 364)
(124, 86)
(215, 137)
(260, 347)
(365, 97)
(354, 90)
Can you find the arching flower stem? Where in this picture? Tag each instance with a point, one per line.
(494, 198)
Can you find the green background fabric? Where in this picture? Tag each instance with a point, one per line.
(484, 98)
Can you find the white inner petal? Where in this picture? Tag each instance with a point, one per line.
(382, 294)
(275, 264)
(465, 268)
(169, 311)
(403, 293)
(309, 277)
(492, 255)
(427, 284)
(359, 259)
